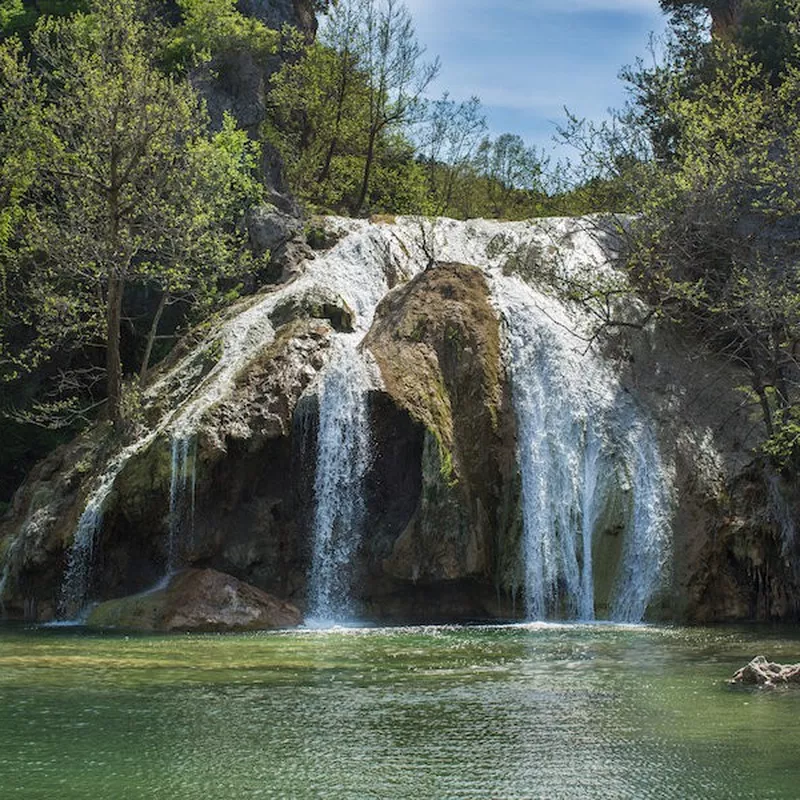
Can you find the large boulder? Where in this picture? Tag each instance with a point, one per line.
(197, 600)
(437, 343)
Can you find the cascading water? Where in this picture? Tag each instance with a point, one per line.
(648, 532)
(343, 457)
(3, 584)
(356, 269)
(572, 442)
(782, 513)
(76, 586)
(582, 449)
(181, 497)
(592, 464)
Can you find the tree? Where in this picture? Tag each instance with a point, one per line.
(317, 117)
(512, 170)
(133, 189)
(211, 27)
(396, 76)
(343, 109)
(708, 155)
(340, 37)
(20, 16)
(726, 15)
(714, 247)
(450, 141)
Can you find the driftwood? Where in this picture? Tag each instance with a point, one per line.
(760, 672)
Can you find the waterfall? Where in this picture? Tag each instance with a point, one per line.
(182, 487)
(583, 447)
(648, 531)
(782, 514)
(578, 433)
(589, 515)
(77, 584)
(343, 455)
(558, 456)
(3, 585)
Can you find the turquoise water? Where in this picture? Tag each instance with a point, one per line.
(483, 713)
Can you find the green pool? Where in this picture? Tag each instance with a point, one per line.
(479, 712)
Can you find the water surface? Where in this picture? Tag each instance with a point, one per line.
(485, 713)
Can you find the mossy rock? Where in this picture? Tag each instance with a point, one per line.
(197, 600)
(436, 341)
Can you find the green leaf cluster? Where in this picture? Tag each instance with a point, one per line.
(212, 27)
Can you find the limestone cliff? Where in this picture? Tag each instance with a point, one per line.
(237, 82)
(510, 471)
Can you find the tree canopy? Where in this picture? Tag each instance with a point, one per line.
(120, 183)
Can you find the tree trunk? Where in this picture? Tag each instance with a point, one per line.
(151, 336)
(725, 18)
(362, 198)
(116, 285)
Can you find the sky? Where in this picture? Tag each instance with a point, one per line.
(527, 59)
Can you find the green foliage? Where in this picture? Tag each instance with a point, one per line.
(211, 27)
(12, 14)
(318, 122)
(120, 185)
(342, 108)
(707, 155)
(18, 17)
(716, 247)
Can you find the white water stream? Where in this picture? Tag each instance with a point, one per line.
(343, 458)
(182, 489)
(584, 448)
(76, 587)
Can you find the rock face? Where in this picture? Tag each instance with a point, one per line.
(222, 470)
(197, 600)
(437, 343)
(277, 13)
(237, 82)
(767, 674)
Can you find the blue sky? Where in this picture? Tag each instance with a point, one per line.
(527, 59)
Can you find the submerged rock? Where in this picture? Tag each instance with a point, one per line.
(760, 672)
(197, 600)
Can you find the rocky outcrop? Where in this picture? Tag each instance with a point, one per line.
(238, 82)
(231, 421)
(281, 236)
(277, 13)
(41, 521)
(197, 600)
(437, 344)
(766, 674)
(735, 553)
